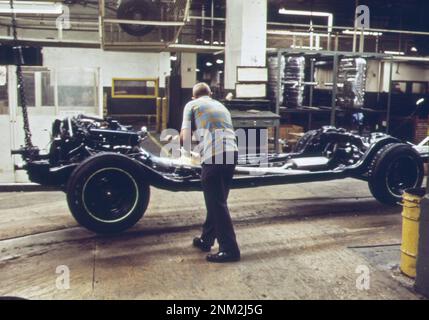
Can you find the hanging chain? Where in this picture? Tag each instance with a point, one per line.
(21, 88)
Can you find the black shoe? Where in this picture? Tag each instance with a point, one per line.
(223, 256)
(201, 244)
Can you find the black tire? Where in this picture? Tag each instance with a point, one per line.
(107, 193)
(395, 168)
(137, 10)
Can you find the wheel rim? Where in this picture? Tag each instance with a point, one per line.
(403, 173)
(110, 195)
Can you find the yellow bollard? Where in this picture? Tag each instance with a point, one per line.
(158, 115)
(410, 230)
(105, 111)
(165, 113)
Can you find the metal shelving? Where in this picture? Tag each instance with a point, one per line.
(333, 109)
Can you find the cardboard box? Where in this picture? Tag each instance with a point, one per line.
(252, 74)
(421, 130)
(245, 90)
(291, 132)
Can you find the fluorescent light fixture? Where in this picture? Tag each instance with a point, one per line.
(414, 49)
(295, 33)
(197, 70)
(220, 71)
(32, 7)
(306, 47)
(395, 53)
(305, 13)
(365, 33)
(206, 42)
(209, 64)
(219, 61)
(328, 15)
(420, 101)
(173, 58)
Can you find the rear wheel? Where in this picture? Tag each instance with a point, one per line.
(107, 193)
(395, 168)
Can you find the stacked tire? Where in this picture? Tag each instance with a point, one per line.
(294, 79)
(273, 78)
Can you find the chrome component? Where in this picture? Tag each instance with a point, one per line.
(309, 163)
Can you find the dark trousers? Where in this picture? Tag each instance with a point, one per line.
(216, 180)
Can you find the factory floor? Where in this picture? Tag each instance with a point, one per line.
(308, 241)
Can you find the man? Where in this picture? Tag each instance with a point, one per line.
(218, 150)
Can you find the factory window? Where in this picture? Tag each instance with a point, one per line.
(29, 87)
(4, 100)
(77, 88)
(48, 89)
(399, 87)
(65, 88)
(420, 87)
(134, 88)
(410, 87)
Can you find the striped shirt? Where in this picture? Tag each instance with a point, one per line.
(214, 129)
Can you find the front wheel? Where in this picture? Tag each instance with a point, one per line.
(394, 169)
(107, 193)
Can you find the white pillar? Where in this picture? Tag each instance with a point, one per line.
(245, 37)
(188, 69)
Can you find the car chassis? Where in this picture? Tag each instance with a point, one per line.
(107, 175)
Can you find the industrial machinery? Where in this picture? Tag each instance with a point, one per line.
(107, 175)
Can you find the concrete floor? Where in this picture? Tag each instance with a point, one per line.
(298, 242)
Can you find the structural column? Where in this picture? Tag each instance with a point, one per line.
(245, 37)
(188, 69)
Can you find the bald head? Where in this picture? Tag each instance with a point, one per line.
(200, 90)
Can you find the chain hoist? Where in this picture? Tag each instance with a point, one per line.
(19, 57)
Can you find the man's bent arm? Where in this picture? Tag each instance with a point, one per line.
(186, 139)
(186, 132)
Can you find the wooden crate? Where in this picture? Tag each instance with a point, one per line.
(290, 131)
(421, 129)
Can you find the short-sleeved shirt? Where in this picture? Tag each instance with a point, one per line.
(213, 126)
